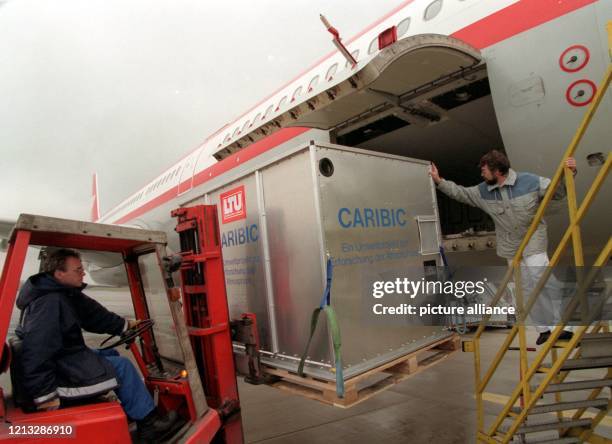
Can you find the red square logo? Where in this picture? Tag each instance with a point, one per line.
(233, 205)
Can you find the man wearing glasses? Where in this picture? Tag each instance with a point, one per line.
(56, 365)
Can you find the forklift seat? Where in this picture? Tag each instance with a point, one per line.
(6, 358)
(20, 397)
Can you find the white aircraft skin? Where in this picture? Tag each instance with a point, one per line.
(538, 94)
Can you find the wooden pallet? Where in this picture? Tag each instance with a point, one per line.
(365, 385)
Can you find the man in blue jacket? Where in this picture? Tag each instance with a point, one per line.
(55, 362)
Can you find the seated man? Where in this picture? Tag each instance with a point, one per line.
(55, 362)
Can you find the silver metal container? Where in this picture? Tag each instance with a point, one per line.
(371, 213)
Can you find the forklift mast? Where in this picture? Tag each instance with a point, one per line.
(207, 314)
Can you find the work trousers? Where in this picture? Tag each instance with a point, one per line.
(133, 394)
(546, 311)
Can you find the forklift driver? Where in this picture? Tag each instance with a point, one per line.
(56, 365)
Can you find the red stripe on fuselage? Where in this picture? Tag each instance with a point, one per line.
(515, 19)
(499, 26)
(230, 162)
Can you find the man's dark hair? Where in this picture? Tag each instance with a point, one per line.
(57, 259)
(496, 161)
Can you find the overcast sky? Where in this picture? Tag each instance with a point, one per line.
(125, 88)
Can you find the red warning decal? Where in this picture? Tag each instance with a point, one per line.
(581, 92)
(233, 205)
(574, 58)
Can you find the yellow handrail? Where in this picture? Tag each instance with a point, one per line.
(601, 260)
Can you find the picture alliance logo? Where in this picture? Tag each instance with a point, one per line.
(233, 205)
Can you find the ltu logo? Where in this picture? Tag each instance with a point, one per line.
(233, 205)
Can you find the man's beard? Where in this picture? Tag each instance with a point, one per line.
(491, 181)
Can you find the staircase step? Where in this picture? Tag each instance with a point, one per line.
(578, 385)
(596, 336)
(539, 427)
(582, 363)
(570, 440)
(569, 405)
(595, 345)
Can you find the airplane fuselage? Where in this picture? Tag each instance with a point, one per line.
(536, 67)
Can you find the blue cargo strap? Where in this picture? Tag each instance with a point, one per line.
(332, 321)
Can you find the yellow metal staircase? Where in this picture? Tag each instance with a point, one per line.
(545, 377)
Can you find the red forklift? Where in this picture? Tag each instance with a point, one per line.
(200, 386)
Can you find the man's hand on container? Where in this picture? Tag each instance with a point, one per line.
(433, 172)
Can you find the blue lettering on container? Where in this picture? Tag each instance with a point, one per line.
(344, 210)
(240, 236)
(371, 217)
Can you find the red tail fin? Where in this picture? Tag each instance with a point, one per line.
(95, 203)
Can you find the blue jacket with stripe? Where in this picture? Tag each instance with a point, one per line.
(55, 362)
(512, 207)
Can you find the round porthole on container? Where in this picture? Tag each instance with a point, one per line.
(326, 167)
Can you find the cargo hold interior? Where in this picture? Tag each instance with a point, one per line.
(454, 126)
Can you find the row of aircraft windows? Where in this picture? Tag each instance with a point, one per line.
(431, 11)
(159, 182)
(163, 180)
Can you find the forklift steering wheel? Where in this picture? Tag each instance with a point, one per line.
(128, 336)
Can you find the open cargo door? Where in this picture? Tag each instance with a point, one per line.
(385, 84)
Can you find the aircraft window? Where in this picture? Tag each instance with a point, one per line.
(256, 118)
(246, 125)
(281, 103)
(227, 137)
(268, 111)
(331, 71)
(296, 93)
(373, 45)
(236, 131)
(433, 10)
(313, 83)
(402, 27)
(355, 55)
